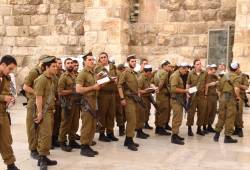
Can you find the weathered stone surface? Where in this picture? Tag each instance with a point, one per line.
(23, 31)
(24, 10)
(77, 7)
(43, 9)
(9, 41)
(209, 4)
(39, 20)
(11, 31)
(5, 9)
(1, 20)
(25, 42)
(2, 31)
(178, 16)
(163, 39)
(193, 15)
(209, 15)
(34, 2)
(190, 4)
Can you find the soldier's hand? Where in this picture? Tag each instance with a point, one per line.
(9, 99)
(97, 87)
(123, 102)
(39, 118)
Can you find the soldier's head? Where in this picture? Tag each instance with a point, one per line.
(221, 67)
(103, 58)
(183, 68)
(75, 65)
(197, 64)
(148, 70)
(59, 63)
(131, 59)
(143, 62)
(50, 65)
(121, 67)
(212, 69)
(89, 60)
(234, 67)
(68, 63)
(7, 64)
(165, 65)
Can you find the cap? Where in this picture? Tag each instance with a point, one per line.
(234, 65)
(87, 54)
(42, 57)
(183, 65)
(165, 62)
(213, 66)
(48, 59)
(147, 67)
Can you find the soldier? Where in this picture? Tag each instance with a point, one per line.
(239, 116)
(229, 87)
(211, 98)
(70, 111)
(120, 117)
(29, 91)
(86, 85)
(178, 92)
(76, 67)
(144, 82)
(7, 65)
(196, 78)
(106, 108)
(161, 80)
(128, 91)
(45, 103)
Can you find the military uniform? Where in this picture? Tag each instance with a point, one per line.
(227, 103)
(31, 108)
(44, 86)
(162, 117)
(197, 101)
(177, 101)
(106, 108)
(128, 82)
(70, 111)
(5, 133)
(212, 98)
(87, 78)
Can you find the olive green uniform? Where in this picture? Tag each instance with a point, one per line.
(31, 108)
(128, 82)
(212, 98)
(119, 111)
(162, 98)
(5, 133)
(197, 101)
(44, 86)
(143, 113)
(87, 78)
(70, 111)
(227, 103)
(107, 100)
(176, 101)
(239, 116)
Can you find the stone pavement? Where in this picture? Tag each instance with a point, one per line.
(156, 153)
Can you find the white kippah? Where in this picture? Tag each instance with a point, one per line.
(234, 65)
(183, 65)
(213, 66)
(208, 66)
(148, 66)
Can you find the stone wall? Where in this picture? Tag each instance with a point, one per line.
(242, 34)
(30, 28)
(178, 27)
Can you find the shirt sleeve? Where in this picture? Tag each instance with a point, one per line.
(30, 78)
(236, 82)
(189, 79)
(80, 78)
(174, 83)
(122, 79)
(39, 86)
(61, 83)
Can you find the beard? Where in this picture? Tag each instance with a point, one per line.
(131, 66)
(70, 69)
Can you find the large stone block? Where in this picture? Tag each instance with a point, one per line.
(11, 30)
(8, 41)
(190, 4)
(20, 51)
(200, 28)
(24, 10)
(2, 31)
(25, 42)
(46, 40)
(192, 15)
(163, 39)
(1, 20)
(209, 15)
(64, 7)
(98, 14)
(177, 16)
(179, 41)
(73, 40)
(26, 20)
(77, 7)
(34, 2)
(209, 4)
(60, 19)
(23, 31)
(162, 16)
(5, 10)
(112, 24)
(91, 37)
(73, 50)
(43, 9)
(61, 29)
(104, 37)
(39, 20)
(186, 28)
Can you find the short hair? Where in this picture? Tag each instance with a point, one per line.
(67, 60)
(104, 54)
(142, 60)
(130, 58)
(8, 59)
(196, 61)
(58, 58)
(75, 61)
(85, 57)
(48, 64)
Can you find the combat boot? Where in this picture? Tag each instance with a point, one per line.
(95, 152)
(42, 163)
(199, 131)
(167, 127)
(190, 132)
(48, 161)
(130, 144)
(103, 138)
(147, 126)
(210, 129)
(161, 131)
(181, 138)
(240, 132)
(145, 133)
(236, 130)
(65, 147)
(12, 167)
(136, 144)
(74, 144)
(112, 137)
(140, 135)
(86, 151)
(121, 130)
(229, 139)
(127, 140)
(34, 154)
(176, 140)
(216, 136)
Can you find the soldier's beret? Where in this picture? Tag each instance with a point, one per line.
(87, 54)
(48, 59)
(42, 57)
